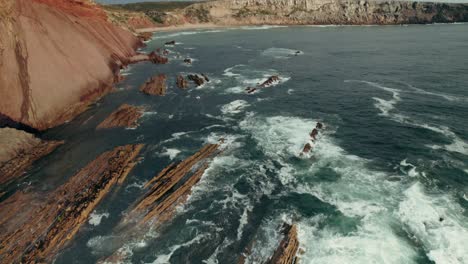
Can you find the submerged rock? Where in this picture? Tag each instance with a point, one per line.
(171, 43)
(18, 150)
(156, 85)
(125, 116)
(36, 227)
(270, 81)
(181, 82)
(188, 61)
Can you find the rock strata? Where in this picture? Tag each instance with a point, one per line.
(181, 82)
(125, 116)
(34, 227)
(18, 150)
(153, 57)
(288, 247)
(155, 85)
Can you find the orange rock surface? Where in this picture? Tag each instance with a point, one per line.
(57, 56)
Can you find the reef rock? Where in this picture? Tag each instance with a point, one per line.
(170, 43)
(18, 150)
(125, 116)
(35, 227)
(198, 79)
(270, 81)
(57, 56)
(181, 82)
(155, 85)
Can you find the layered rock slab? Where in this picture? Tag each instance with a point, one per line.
(125, 116)
(288, 247)
(156, 85)
(35, 227)
(18, 150)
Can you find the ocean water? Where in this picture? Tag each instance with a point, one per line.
(386, 182)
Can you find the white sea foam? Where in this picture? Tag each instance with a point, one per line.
(437, 222)
(164, 258)
(263, 27)
(243, 221)
(234, 107)
(170, 152)
(447, 97)
(95, 218)
(409, 168)
(281, 53)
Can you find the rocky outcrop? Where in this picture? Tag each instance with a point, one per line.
(35, 227)
(125, 116)
(18, 150)
(199, 80)
(153, 57)
(56, 57)
(181, 82)
(164, 193)
(287, 249)
(270, 81)
(314, 12)
(155, 85)
(129, 20)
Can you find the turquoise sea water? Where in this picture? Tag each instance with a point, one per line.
(386, 182)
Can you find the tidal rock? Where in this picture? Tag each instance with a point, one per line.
(125, 116)
(287, 249)
(181, 82)
(270, 81)
(35, 227)
(168, 189)
(153, 57)
(319, 125)
(18, 150)
(314, 134)
(198, 79)
(188, 61)
(307, 148)
(155, 85)
(171, 43)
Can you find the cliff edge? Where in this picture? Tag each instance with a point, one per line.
(56, 56)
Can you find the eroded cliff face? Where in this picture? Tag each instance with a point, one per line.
(56, 56)
(311, 12)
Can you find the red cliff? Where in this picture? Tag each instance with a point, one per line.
(56, 56)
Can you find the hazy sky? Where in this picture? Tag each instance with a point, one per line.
(135, 1)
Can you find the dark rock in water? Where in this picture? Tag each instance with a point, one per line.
(251, 90)
(319, 125)
(270, 81)
(181, 82)
(307, 148)
(172, 42)
(36, 226)
(188, 61)
(155, 85)
(125, 116)
(197, 79)
(205, 77)
(157, 59)
(314, 134)
(165, 52)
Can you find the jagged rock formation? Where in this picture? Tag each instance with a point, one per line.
(57, 56)
(18, 150)
(155, 85)
(198, 79)
(287, 249)
(35, 228)
(164, 192)
(311, 12)
(181, 82)
(125, 116)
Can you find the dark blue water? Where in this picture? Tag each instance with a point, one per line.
(390, 164)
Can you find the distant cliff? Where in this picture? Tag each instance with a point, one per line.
(56, 56)
(311, 12)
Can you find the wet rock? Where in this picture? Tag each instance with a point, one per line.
(270, 81)
(35, 227)
(287, 250)
(170, 43)
(156, 85)
(125, 116)
(307, 148)
(168, 189)
(181, 82)
(251, 90)
(198, 79)
(319, 125)
(314, 134)
(205, 77)
(153, 57)
(18, 150)
(188, 61)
